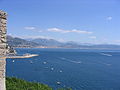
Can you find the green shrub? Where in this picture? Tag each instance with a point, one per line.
(19, 84)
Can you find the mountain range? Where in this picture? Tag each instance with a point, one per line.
(51, 43)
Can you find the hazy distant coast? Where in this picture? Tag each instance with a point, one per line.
(51, 43)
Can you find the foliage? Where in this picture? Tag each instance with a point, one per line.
(13, 83)
(18, 84)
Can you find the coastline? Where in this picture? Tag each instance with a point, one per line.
(24, 56)
(66, 48)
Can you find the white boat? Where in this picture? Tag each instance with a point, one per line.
(13, 61)
(52, 69)
(58, 83)
(44, 62)
(61, 71)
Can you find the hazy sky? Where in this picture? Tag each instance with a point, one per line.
(87, 21)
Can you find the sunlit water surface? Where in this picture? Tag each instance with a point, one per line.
(78, 69)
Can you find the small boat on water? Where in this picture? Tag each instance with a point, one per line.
(58, 83)
(13, 61)
(31, 62)
(44, 62)
(52, 69)
(61, 71)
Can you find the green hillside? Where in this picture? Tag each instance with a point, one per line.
(18, 84)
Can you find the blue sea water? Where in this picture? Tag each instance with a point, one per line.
(75, 68)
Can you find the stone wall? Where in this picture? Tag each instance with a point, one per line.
(3, 21)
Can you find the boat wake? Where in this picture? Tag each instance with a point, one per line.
(105, 54)
(78, 62)
(62, 58)
(107, 64)
(72, 61)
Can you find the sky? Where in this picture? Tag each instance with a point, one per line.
(82, 21)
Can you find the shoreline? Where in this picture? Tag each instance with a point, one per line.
(26, 56)
(68, 48)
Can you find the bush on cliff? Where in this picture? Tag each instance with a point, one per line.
(19, 84)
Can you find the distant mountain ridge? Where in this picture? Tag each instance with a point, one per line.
(18, 42)
(51, 43)
(47, 42)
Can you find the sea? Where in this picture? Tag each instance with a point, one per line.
(74, 68)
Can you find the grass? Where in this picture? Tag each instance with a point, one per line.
(19, 84)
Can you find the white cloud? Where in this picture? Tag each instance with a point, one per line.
(93, 37)
(34, 37)
(69, 31)
(33, 29)
(30, 28)
(109, 18)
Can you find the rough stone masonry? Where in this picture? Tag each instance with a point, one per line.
(3, 21)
